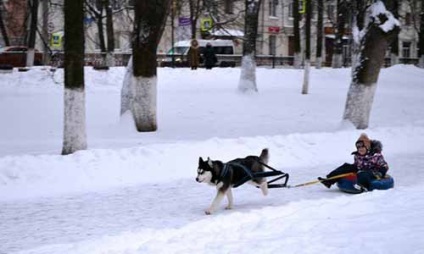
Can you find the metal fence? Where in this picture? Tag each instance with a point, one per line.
(163, 60)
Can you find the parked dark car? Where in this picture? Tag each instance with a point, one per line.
(16, 56)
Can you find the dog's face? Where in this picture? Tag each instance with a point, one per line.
(204, 171)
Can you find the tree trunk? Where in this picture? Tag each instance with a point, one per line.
(110, 59)
(421, 37)
(337, 60)
(126, 88)
(32, 34)
(358, 9)
(373, 44)
(74, 133)
(150, 18)
(99, 21)
(393, 7)
(248, 63)
(3, 29)
(45, 33)
(320, 32)
(296, 33)
(305, 87)
(194, 16)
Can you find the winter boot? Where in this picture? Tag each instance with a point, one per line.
(326, 183)
(360, 188)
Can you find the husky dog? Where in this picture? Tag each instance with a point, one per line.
(225, 175)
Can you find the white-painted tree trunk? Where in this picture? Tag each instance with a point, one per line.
(297, 60)
(306, 73)
(354, 60)
(110, 60)
(126, 88)
(379, 30)
(74, 133)
(421, 62)
(143, 102)
(394, 59)
(30, 57)
(318, 63)
(248, 75)
(358, 104)
(337, 61)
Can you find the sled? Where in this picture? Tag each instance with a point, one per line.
(277, 175)
(346, 184)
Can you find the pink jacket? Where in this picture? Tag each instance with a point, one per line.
(368, 162)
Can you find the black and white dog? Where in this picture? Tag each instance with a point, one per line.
(226, 175)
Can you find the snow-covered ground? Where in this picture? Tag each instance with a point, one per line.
(135, 192)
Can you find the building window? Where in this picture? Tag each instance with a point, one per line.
(301, 9)
(272, 44)
(406, 49)
(130, 3)
(291, 10)
(273, 8)
(229, 6)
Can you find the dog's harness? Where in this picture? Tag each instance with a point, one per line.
(224, 170)
(249, 175)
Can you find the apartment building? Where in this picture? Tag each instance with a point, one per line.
(275, 30)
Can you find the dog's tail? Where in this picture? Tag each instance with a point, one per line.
(264, 157)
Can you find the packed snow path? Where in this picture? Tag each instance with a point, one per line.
(152, 211)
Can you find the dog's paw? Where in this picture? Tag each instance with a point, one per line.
(208, 211)
(229, 207)
(264, 188)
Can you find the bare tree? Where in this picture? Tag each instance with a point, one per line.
(110, 59)
(305, 87)
(337, 60)
(74, 134)
(95, 10)
(195, 8)
(3, 30)
(16, 23)
(32, 33)
(45, 32)
(393, 7)
(101, 10)
(248, 63)
(139, 91)
(421, 37)
(296, 32)
(320, 33)
(380, 27)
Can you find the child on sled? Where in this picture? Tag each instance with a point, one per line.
(369, 164)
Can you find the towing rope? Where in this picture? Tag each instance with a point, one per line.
(318, 181)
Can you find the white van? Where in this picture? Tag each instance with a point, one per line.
(180, 50)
